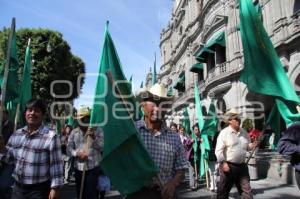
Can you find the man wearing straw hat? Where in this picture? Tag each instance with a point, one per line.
(232, 145)
(87, 156)
(163, 145)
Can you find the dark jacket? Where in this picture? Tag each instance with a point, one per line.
(289, 144)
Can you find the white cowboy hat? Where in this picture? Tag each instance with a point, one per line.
(231, 114)
(157, 93)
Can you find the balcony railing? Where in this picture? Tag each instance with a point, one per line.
(218, 72)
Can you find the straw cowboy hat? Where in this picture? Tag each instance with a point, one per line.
(231, 114)
(82, 112)
(156, 93)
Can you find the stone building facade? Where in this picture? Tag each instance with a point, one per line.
(207, 31)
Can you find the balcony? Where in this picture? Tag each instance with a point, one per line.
(218, 72)
(183, 99)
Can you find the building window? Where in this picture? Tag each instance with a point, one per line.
(200, 76)
(221, 106)
(220, 54)
(180, 30)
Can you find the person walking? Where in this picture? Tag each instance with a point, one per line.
(163, 145)
(86, 159)
(232, 145)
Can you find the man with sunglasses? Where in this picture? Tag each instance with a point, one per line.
(232, 145)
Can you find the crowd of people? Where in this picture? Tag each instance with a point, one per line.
(36, 161)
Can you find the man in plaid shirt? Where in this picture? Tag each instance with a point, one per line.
(86, 158)
(163, 145)
(35, 151)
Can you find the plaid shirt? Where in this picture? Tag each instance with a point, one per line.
(77, 141)
(166, 150)
(37, 156)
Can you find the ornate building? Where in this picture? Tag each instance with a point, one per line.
(202, 44)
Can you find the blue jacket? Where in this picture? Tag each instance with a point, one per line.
(289, 144)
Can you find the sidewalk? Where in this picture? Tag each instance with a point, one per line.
(262, 189)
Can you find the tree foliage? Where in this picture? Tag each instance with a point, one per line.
(47, 66)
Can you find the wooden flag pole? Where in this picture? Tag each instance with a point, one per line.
(196, 174)
(110, 77)
(206, 173)
(4, 83)
(259, 139)
(87, 149)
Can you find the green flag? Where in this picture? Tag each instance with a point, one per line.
(125, 160)
(11, 108)
(263, 72)
(142, 85)
(198, 108)
(274, 122)
(58, 127)
(210, 121)
(186, 121)
(12, 87)
(72, 122)
(204, 145)
(25, 87)
(154, 76)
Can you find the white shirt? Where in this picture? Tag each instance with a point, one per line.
(232, 146)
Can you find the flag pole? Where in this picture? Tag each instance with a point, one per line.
(196, 174)
(206, 173)
(259, 139)
(87, 149)
(3, 88)
(110, 77)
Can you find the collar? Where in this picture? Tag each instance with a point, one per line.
(142, 125)
(232, 130)
(39, 130)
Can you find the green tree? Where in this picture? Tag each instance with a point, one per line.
(57, 63)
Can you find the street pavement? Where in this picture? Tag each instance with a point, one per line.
(262, 189)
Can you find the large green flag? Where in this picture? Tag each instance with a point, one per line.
(12, 88)
(210, 121)
(186, 121)
(263, 72)
(209, 129)
(25, 87)
(125, 160)
(154, 76)
(204, 146)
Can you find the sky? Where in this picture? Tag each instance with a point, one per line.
(135, 27)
